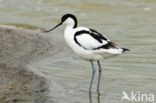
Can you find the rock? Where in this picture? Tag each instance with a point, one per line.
(18, 83)
(20, 47)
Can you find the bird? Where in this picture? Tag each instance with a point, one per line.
(88, 44)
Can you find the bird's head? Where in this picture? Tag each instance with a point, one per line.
(67, 19)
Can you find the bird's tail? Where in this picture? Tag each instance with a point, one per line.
(125, 49)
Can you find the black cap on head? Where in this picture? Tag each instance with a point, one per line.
(66, 16)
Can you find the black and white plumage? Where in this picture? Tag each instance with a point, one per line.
(97, 41)
(88, 43)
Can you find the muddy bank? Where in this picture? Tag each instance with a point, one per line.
(18, 48)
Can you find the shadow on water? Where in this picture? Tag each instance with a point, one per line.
(90, 97)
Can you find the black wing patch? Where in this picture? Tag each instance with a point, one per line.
(79, 33)
(93, 33)
(107, 46)
(97, 35)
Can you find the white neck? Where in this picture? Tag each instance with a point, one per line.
(69, 31)
(70, 22)
(69, 35)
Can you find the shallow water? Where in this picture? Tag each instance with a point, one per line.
(130, 23)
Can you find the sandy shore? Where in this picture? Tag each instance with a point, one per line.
(18, 83)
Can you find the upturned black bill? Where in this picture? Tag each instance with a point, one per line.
(53, 28)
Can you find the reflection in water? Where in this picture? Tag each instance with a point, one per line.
(90, 97)
(98, 97)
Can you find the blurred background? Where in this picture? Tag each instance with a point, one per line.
(130, 23)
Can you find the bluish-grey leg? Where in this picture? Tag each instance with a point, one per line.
(93, 73)
(99, 77)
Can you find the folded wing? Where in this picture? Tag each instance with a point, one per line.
(92, 40)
